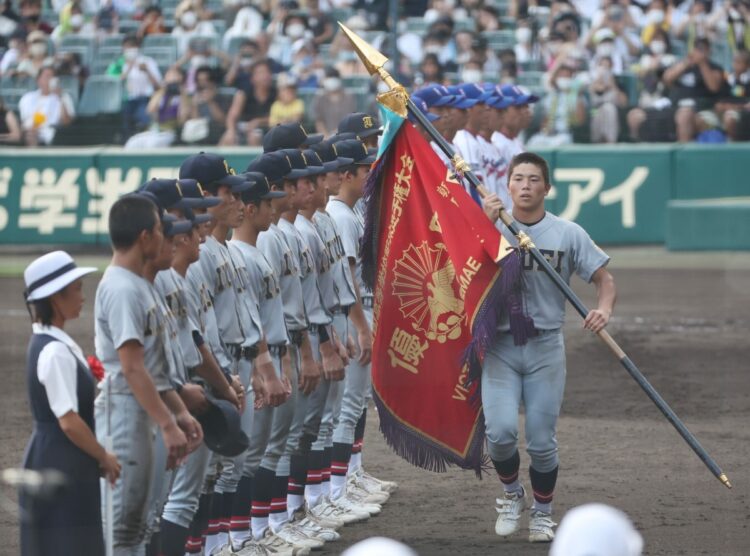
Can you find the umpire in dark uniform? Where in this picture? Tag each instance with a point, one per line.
(61, 392)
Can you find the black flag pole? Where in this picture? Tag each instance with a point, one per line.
(397, 100)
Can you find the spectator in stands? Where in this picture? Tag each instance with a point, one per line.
(190, 26)
(524, 48)
(73, 22)
(38, 55)
(606, 98)
(348, 64)
(617, 26)
(695, 83)
(45, 109)
(731, 20)
(208, 107)
(472, 71)
(444, 8)
(440, 41)
(658, 16)
(17, 51)
(200, 53)
(152, 23)
(430, 70)
(251, 107)
(168, 108)
(10, 129)
(463, 40)
(564, 110)
(319, 22)
(606, 47)
(70, 64)
(239, 70)
(107, 20)
(697, 25)
(293, 28)
(141, 77)
(287, 108)
(332, 103)
(735, 108)
(488, 18)
(307, 67)
(31, 17)
(247, 23)
(481, 52)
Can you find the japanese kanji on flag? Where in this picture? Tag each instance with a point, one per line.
(441, 274)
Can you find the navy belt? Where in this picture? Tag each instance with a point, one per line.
(367, 302)
(296, 336)
(341, 310)
(249, 353)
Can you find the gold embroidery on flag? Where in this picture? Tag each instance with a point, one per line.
(406, 350)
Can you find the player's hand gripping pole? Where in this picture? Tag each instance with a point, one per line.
(397, 99)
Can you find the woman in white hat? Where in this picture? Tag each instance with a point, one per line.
(61, 394)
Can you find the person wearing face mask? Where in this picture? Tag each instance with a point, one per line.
(658, 16)
(293, 28)
(607, 47)
(73, 22)
(168, 108)
(523, 47)
(37, 55)
(190, 26)
(698, 23)
(152, 23)
(564, 110)
(332, 103)
(31, 17)
(45, 109)
(307, 66)
(141, 77)
(606, 98)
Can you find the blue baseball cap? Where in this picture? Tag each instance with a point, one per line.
(474, 91)
(460, 100)
(519, 95)
(498, 100)
(435, 95)
(422, 106)
(274, 166)
(212, 171)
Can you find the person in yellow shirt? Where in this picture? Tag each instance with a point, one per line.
(287, 108)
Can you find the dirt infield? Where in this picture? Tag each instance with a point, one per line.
(687, 329)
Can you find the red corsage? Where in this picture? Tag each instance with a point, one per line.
(97, 369)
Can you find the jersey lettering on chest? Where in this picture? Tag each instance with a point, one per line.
(177, 303)
(223, 276)
(554, 258)
(270, 285)
(241, 279)
(154, 321)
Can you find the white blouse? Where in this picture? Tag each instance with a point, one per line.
(57, 369)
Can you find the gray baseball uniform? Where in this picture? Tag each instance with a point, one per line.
(126, 309)
(341, 276)
(535, 373)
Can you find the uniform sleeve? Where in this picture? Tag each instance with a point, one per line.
(57, 371)
(127, 317)
(587, 256)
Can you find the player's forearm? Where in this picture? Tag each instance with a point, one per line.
(173, 401)
(146, 395)
(357, 316)
(305, 348)
(210, 371)
(606, 292)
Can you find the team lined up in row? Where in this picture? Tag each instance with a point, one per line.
(276, 311)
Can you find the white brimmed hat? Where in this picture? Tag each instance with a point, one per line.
(50, 273)
(596, 530)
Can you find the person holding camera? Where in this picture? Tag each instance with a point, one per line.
(45, 109)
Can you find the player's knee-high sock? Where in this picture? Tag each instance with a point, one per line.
(226, 513)
(239, 525)
(173, 538)
(199, 526)
(359, 437)
(340, 456)
(278, 515)
(261, 505)
(325, 476)
(214, 522)
(313, 489)
(507, 471)
(543, 485)
(295, 497)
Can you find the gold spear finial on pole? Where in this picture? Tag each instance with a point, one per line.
(374, 61)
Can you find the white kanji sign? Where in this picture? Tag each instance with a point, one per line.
(52, 199)
(5, 176)
(104, 193)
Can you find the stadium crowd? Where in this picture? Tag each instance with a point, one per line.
(153, 74)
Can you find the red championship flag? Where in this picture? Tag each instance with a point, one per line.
(441, 276)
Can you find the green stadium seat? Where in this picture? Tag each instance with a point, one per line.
(85, 53)
(466, 24)
(234, 45)
(220, 25)
(507, 22)
(498, 40)
(71, 85)
(531, 78)
(11, 97)
(340, 14)
(630, 84)
(111, 40)
(128, 26)
(164, 56)
(356, 81)
(101, 95)
(416, 25)
(161, 41)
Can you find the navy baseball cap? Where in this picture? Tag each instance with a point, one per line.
(361, 124)
(343, 136)
(274, 166)
(171, 225)
(356, 150)
(288, 136)
(191, 189)
(170, 194)
(460, 100)
(313, 157)
(212, 171)
(259, 191)
(327, 152)
(519, 95)
(422, 106)
(474, 91)
(301, 167)
(435, 95)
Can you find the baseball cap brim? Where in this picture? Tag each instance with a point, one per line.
(370, 132)
(199, 219)
(342, 161)
(369, 159)
(496, 102)
(312, 139)
(315, 170)
(463, 103)
(331, 166)
(526, 99)
(238, 184)
(174, 227)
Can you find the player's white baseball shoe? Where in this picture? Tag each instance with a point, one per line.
(251, 548)
(541, 527)
(371, 497)
(292, 534)
(325, 517)
(509, 511)
(326, 509)
(275, 545)
(351, 504)
(312, 529)
(386, 486)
